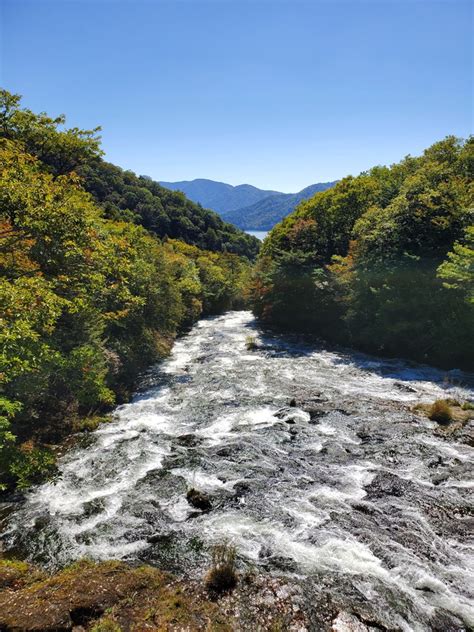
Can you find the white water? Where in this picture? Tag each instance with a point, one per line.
(345, 496)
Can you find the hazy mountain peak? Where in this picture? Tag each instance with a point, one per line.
(219, 196)
(244, 205)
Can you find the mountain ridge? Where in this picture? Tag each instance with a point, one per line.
(261, 209)
(266, 213)
(219, 196)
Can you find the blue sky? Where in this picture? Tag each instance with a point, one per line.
(276, 93)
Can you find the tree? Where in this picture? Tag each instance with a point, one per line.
(458, 269)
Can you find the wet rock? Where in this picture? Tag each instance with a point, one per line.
(445, 622)
(292, 403)
(188, 440)
(241, 488)
(424, 588)
(281, 563)
(160, 538)
(466, 435)
(12, 497)
(346, 622)
(265, 552)
(343, 411)
(365, 508)
(435, 462)
(439, 478)
(363, 435)
(282, 413)
(404, 387)
(289, 415)
(366, 436)
(199, 500)
(225, 451)
(386, 484)
(93, 507)
(315, 415)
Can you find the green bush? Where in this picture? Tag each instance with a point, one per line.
(32, 465)
(383, 261)
(88, 302)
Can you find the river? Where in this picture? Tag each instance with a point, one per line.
(259, 234)
(345, 492)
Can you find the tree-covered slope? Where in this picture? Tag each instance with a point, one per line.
(383, 261)
(162, 211)
(263, 215)
(87, 298)
(121, 194)
(219, 196)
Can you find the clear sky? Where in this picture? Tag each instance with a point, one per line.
(276, 93)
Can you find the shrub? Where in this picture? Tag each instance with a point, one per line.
(222, 576)
(440, 411)
(89, 424)
(198, 499)
(31, 465)
(468, 406)
(251, 343)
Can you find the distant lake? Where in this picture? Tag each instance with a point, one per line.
(259, 234)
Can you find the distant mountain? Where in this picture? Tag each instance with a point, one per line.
(219, 196)
(267, 212)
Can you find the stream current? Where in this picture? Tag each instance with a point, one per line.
(346, 491)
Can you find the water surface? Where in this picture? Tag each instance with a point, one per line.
(348, 491)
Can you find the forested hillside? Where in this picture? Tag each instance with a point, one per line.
(89, 298)
(383, 261)
(220, 196)
(121, 194)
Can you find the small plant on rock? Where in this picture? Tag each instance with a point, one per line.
(198, 499)
(440, 411)
(251, 343)
(107, 625)
(222, 576)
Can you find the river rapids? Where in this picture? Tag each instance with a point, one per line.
(317, 469)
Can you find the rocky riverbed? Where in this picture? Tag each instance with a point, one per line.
(316, 465)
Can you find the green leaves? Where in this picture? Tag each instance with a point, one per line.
(87, 303)
(458, 269)
(363, 263)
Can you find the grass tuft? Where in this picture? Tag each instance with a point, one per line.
(440, 411)
(251, 343)
(222, 576)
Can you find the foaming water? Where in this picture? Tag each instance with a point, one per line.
(346, 486)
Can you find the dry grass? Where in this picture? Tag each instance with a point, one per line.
(450, 415)
(222, 576)
(251, 343)
(440, 411)
(107, 597)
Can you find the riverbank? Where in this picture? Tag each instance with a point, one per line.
(114, 597)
